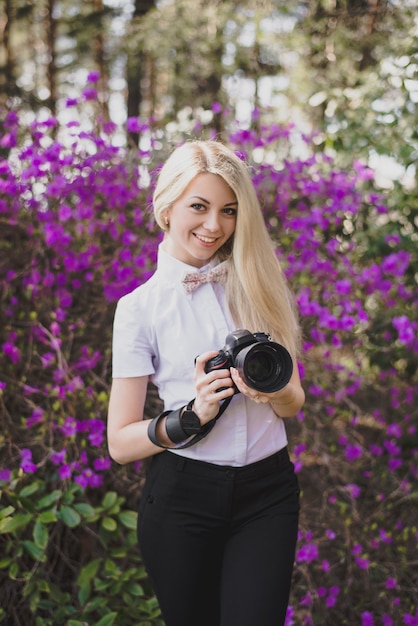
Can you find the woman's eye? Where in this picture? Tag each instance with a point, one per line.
(230, 211)
(198, 206)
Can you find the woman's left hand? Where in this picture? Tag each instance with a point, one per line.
(253, 394)
(286, 402)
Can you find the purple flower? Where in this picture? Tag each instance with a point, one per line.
(88, 478)
(384, 536)
(391, 583)
(353, 452)
(353, 490)
(36, 417)
(334, 592)
(12, 351)
(307, 553)
(133, 125)
(90, 93)
(403, 325)
(58, 457)
(5, 475)
(69, 428)
(362, 562)
(101, 465)
(93, 76)
(65, 472)
(26, 461)
(96, 435)
(394, 464)
(289, 616)
(367, 619)
(306, 600)
(357, 549)
(396, 263)
(394, 430)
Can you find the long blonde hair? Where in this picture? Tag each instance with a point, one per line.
(256, 288)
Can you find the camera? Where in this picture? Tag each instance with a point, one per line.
(264, 365)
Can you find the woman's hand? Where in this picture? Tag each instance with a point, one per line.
(206, 404)
(253, 394)
(286, 402)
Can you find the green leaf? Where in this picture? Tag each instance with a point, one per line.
(14, 570)
(129, 519)
(29, 490)
(100, 585)
(86, 510)
(48, 500)
(7, 511)
(84, 594)
(11, 524)
(46, 517)
(5, 562)
(109, 524)
(69, 516)
(40, 535)
(75, 622)
(95, 604)
(136, 590)
(36, 553)
(110, 499)
(107, 620)
(88, 572)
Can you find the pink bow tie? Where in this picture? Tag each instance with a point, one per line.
(193, 280)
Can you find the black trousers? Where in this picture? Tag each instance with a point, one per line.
(218, 542)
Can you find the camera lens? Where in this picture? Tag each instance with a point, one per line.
(266, 367)
(259, 366)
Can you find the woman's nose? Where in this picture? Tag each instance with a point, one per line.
(212, 221)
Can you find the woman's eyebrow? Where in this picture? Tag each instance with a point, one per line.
(207, 201)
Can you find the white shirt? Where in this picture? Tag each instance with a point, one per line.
(159, 329)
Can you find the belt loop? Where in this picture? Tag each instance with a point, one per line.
(181, 463)
(283, 456)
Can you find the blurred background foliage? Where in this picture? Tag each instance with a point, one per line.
(344, 69)
(139, 77)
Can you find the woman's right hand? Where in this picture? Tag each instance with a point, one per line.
(206, 404)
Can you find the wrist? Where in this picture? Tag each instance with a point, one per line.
(289, 401)
(190, 421)
(284, 397)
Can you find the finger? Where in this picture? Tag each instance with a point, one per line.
(253, 394)
(201, 361)
(240, 383)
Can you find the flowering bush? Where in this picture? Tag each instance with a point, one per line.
(77, 234)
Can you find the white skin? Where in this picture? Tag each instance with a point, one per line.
(201, 221)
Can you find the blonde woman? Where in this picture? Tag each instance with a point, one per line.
(218, 515)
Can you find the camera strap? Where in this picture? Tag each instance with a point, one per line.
(207, 427)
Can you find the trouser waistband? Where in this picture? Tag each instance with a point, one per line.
(202, 468)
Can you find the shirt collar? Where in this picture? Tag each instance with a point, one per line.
(172, 270)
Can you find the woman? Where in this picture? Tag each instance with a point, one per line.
(218, 516)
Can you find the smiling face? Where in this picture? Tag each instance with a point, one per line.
(201, 220)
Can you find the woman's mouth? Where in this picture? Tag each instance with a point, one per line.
(207, 241)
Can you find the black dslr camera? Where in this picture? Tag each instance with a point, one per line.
(263, 364)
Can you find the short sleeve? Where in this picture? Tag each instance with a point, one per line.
(132, 353)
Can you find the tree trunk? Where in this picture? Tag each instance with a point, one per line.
(7, 80)
(51, 69)
(136, 68)
(98, 46)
